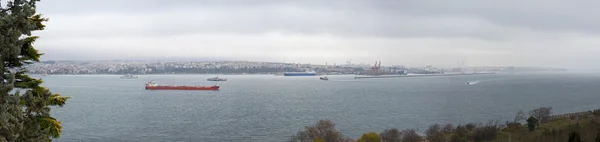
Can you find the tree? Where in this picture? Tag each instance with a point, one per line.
(324, 130)
(390, 135)
(369, 137)
(541, 113)
(434, 133)
(519, 117)
(460, 134)
(448, 128)
(24, 103)
(470, 126)
(410, 136)
(531, 123)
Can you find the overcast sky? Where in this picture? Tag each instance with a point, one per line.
(408, 32)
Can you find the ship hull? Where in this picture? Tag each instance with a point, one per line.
(182, 88)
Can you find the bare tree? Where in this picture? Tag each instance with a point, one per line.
(448, 128)
(519, 117)
(541, 113)
(434, 133)
(433, 129)
(324, 130)
(411, 136)
(391, 135)
(471, 126)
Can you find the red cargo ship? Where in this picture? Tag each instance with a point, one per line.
(153, 86)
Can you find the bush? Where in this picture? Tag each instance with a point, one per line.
(513, 126)
(436, 137)
(532, 123)
(486, 133)
(470, 126)
(369, 137)
(460, 134)
(596, 112)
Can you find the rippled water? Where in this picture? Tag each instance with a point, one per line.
(271, 108)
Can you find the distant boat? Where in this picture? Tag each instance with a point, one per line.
(307, 73)
(323, 78)
(216, 79)
(153, 86)
(129, 76)
(45, 74)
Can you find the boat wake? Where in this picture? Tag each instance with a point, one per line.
(472, 82)
(485, 80)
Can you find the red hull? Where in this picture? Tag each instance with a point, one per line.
(182, 87)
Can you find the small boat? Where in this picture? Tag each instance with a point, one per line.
(323, 78)
(216, 79)
(471, 82)
(129, 76)
(153, 86)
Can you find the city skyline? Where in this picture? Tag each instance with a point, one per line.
(237, 67)
(411, 33)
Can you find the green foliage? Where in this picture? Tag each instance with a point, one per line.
(532, 123)
(584, 129)
(318, 139)
(24, 103)
(369, 137)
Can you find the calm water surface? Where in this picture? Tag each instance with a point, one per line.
(271, 108)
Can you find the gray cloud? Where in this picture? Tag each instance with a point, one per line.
(414, 32)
